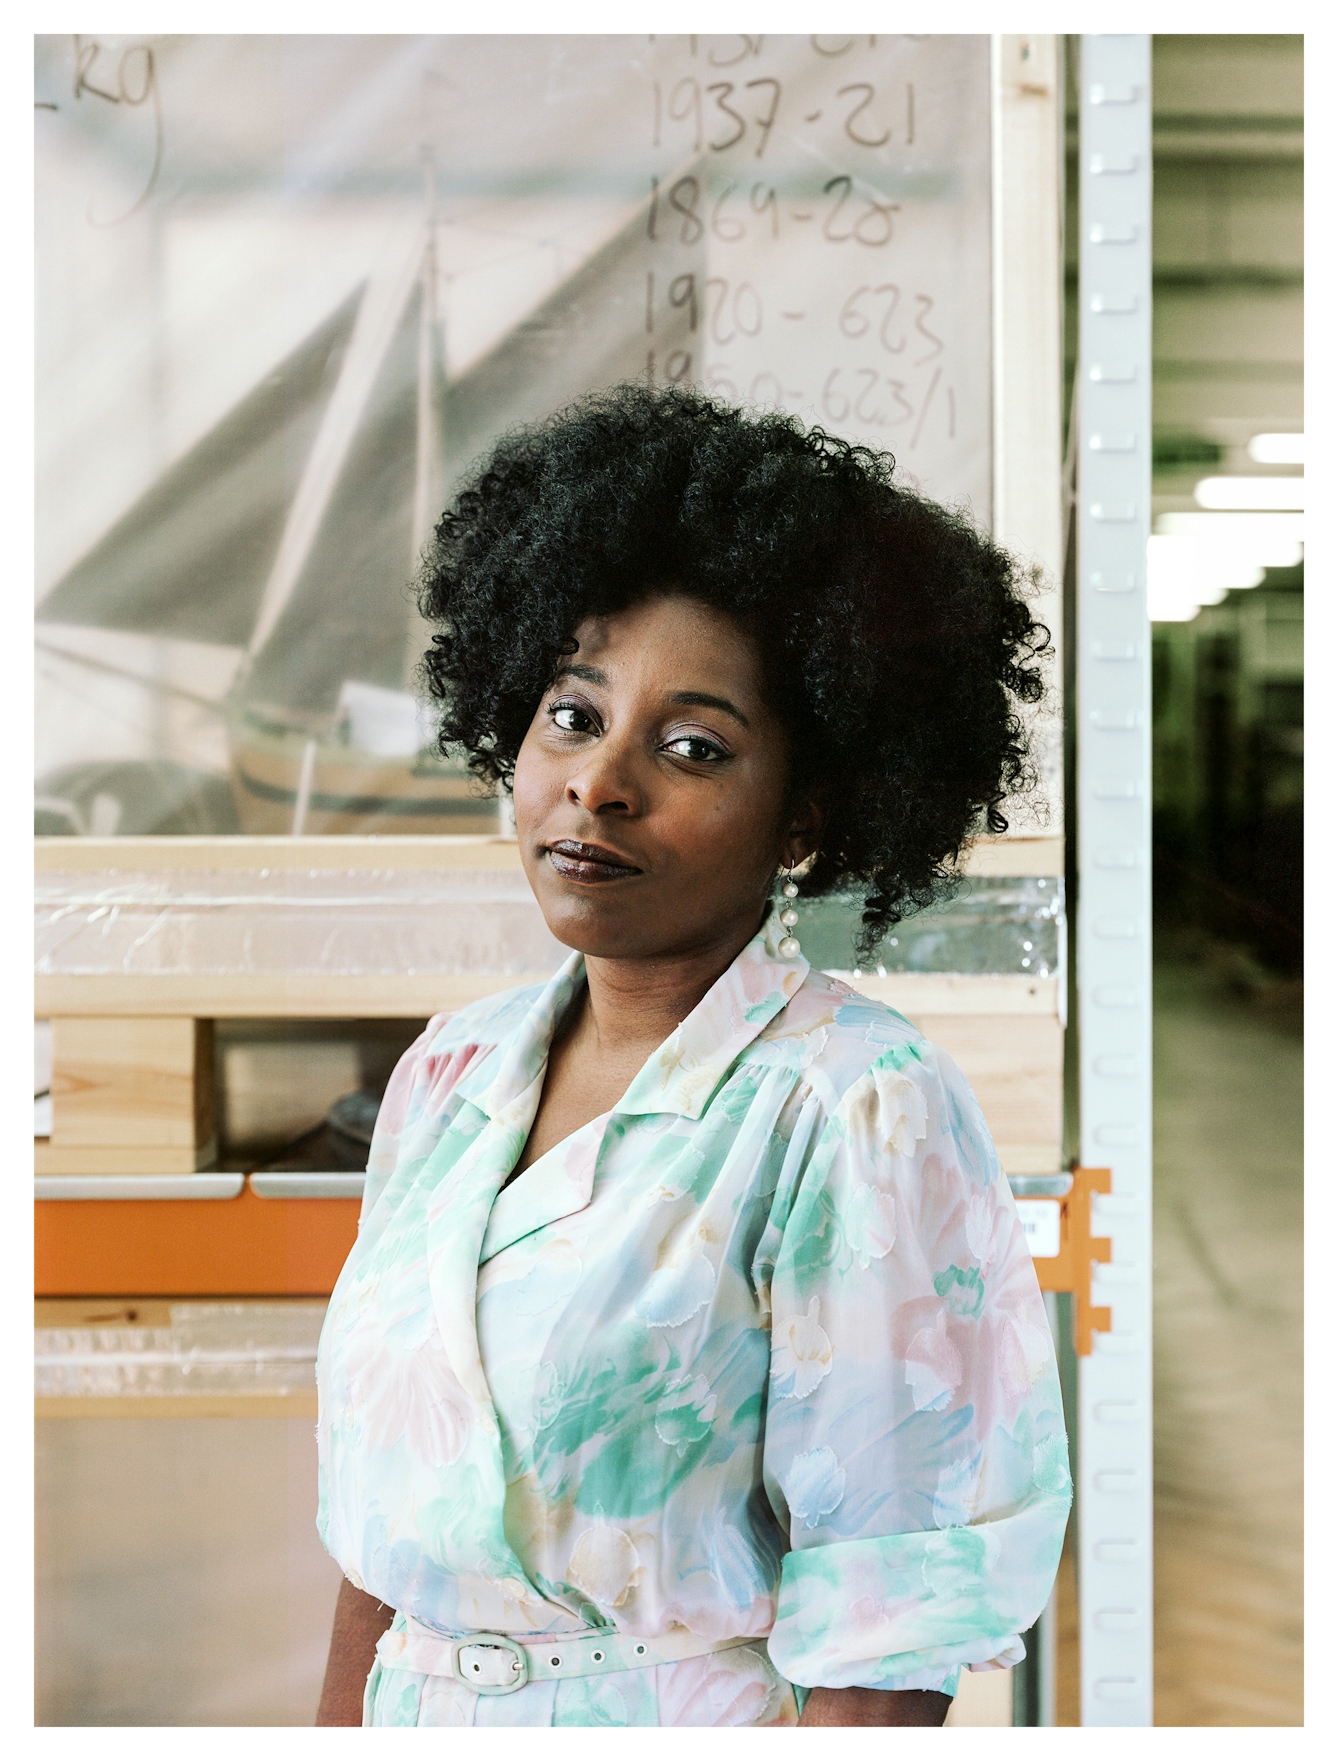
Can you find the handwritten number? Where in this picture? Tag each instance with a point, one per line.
(852, 322)
(725, 226)
(748, 46)
(725, 87)
(678, 367)
(835, 407)
(767, 201)
(693, 93)
(683, 292)
(845, 185)
(924, 407)
(745, 310)
(692, 228)
(878, 216)
(888, 287)
(926, 306)
(874, 226)
(723, 285)
(859, 139)
(866, 408)
(765, 123)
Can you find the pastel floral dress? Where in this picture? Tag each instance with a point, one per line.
(759, 1354)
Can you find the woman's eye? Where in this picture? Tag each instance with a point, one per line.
(694, 747)
(571, 719)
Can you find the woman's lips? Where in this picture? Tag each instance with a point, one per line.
(587, 862)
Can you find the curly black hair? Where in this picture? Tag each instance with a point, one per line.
(896, 640)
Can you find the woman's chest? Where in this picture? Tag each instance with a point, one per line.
(620, 1315)
(622, 1347)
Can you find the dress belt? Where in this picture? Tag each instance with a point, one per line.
(500, 1663)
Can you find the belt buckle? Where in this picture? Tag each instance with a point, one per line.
(474, 1671)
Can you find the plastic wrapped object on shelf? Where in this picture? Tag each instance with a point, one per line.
(456, 921)
(206, 1349)
(329, 920)
(993, 924)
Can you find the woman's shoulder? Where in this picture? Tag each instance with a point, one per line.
(850, 1039)
(453, 1055)
(883, 1082)
(486, 1021)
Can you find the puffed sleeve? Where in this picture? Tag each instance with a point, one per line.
(397, 1105)
(915, 1452)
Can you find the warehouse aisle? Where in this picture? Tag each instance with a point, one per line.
(1227, 1296)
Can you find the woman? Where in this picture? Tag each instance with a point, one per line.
(690, 1367)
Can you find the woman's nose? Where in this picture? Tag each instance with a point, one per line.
(605, 781)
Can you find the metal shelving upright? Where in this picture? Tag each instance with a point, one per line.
(1114, 909)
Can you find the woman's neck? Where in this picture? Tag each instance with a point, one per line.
(625, 1010)
(637, 1004)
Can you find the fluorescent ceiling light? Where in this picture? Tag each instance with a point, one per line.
(1250, 492)
(1186, 564)
(1277, 449)
(1213, 551)
(1271, 539)
(1170, 605)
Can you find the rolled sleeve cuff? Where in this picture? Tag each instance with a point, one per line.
(909, 1611)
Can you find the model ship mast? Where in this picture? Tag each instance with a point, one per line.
(310, 584)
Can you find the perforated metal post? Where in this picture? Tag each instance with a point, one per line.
(1114, 913)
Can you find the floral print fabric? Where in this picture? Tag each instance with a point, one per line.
(760, 1353)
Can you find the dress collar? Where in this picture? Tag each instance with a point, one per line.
(681, 1075)
(524, 1052)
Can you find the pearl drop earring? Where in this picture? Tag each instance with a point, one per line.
(789, 947)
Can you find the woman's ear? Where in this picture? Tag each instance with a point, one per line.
(804, 836)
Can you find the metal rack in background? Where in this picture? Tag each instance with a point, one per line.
(1114, 904)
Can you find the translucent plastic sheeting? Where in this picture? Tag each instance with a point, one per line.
(209, 1348)
(993, 925)
(459, 922)
(291, 921)
(290, 287)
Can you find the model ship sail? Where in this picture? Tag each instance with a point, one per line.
(292, 531)
(191, 556)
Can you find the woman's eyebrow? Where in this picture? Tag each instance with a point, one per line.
(704, 700)
(591, 674)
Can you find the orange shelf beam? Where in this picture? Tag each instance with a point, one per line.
(246, 1246)
(1079, 1250)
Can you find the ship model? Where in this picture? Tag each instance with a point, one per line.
(293, 530)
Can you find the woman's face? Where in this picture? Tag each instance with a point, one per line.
(649, 789)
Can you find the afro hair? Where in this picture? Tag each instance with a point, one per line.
(896, 640)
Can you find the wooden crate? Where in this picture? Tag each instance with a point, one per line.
(130, 1094)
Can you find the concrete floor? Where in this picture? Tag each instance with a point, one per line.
(1227, 1348)
(180, 1580)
